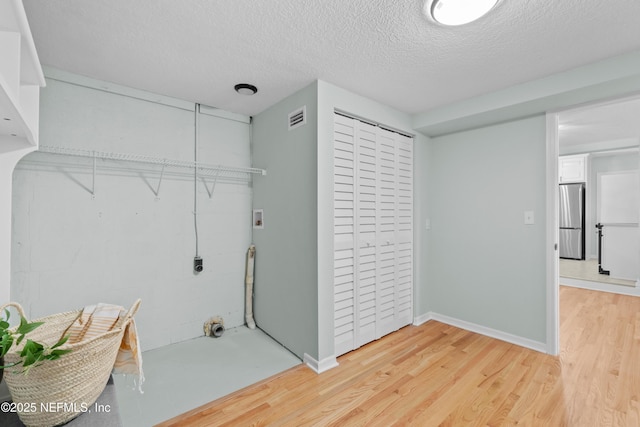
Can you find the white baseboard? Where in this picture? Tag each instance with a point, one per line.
(482, 330)
(598, 286)
(423, 318)
(320, 366)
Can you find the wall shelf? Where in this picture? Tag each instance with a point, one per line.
(202, 170)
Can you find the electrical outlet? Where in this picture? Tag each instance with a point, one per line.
(197, 264)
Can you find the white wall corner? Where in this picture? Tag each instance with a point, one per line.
(492, 333)
(423, 318)
(8, 162)
(320, 366)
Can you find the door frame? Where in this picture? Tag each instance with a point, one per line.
(552, 261)
(552, 199)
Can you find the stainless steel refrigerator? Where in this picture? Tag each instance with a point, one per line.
(572, 221)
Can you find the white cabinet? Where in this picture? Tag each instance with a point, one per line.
(20, 80)
(373, 232)
(572, 168)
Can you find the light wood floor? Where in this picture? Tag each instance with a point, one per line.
(436, 374)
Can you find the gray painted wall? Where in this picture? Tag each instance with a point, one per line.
(286, 272)
(71, 249)
(422, 158)
(485, 266)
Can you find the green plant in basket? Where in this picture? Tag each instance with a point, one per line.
(33, 353)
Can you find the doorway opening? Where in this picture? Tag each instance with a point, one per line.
(596, 244)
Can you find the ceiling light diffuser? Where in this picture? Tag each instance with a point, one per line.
(245, 89)
(460, 12)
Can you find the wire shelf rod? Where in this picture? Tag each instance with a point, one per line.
(138, 158)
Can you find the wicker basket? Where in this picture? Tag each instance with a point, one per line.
(57, 391)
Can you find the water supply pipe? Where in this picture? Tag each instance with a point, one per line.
(214, 327)
(248, 314)
(217, 329)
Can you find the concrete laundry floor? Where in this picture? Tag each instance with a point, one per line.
(185, 375)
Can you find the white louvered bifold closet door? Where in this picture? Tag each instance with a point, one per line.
(344, 235)
(366, 262)
(373, 245)
(404, 230)
(386, 227)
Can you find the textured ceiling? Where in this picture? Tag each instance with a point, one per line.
(386, 50)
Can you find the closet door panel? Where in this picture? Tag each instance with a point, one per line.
(366, 202)
(366, 290)
(386, 304)
(344, 236)
(365, 165)
(404, 175)
(386, 184)
(344, 301)
(404, 230)
(386, 226)
(404, 287)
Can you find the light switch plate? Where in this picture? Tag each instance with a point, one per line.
(528, 218)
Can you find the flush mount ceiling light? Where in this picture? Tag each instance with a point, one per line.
(459, 12)
(245, 89)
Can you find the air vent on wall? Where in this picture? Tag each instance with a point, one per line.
(298, 117)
